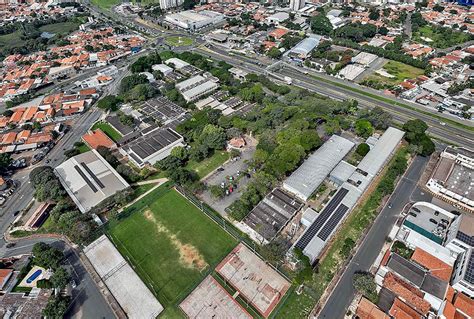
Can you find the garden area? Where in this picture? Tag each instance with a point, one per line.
(105, 4)
(440, 37)
(108, 130)
(178, 41)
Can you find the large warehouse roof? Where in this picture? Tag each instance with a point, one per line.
(307, 178)
(305, 46)
(377, 156)
(128, 289)
(89, 179)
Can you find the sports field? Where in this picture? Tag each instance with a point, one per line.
(171, 244)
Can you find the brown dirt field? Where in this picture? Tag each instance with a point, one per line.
(189, 255)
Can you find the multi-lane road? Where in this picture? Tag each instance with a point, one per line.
(322, 84)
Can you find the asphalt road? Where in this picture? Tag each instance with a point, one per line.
(406, 192)
(444, 131)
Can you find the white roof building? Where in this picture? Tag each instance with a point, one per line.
(307, 178)
(163, 68)
(89, 179)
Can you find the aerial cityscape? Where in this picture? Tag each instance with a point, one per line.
(235, 159)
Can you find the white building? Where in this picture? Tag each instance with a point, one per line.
(196, 87)
(192, 20)
(277, 18)
(295, 5)
(168, 4)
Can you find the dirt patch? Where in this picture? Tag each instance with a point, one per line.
(189, 256)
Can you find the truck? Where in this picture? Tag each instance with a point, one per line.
(288, 80)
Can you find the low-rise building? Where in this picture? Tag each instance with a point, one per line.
(89, 179)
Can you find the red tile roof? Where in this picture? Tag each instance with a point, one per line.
(401, 310)
(97, 138)
(412, 295)
(464, 304)
(437, 267)
(367, 310)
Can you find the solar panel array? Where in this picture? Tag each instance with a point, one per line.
(321, 219)
(332, 222)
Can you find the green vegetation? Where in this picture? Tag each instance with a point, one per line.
(401, 249)
(178, 41)
(105, 4)
(107, 129)
(390, 101)
(420, 142)
(204, 167)
(171, 244)
(442, 37)
(398, 70)
(364, 283)
(355, 224)
(61, 28)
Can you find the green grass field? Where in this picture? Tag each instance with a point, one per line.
(399, 70)
(107, 129)
(11, 40)
(440, 40)
(105, 4)
(61, 27)
(171, 244)
(207, 165)
(178, 41)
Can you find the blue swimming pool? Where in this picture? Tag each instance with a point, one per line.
(34, 276)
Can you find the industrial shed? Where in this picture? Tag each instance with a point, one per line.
(307, 178)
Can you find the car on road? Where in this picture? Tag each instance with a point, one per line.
(220, 169)
(11, 245)
(16, 213)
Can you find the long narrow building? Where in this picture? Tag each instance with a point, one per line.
(313, 241)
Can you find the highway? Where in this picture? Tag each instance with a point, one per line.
(446, 132)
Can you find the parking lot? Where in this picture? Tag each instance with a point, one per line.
(235, 169)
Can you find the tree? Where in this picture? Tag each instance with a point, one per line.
(362, 149)
(47, 256)
(46, 184)
(180, 153)
(56, 307)
(363, 128)
(60, 278)
(374, 14)
(72, 152)
(379, 118)
(109, 103)
(217, 191)
(347, 247)
(438, 8)
(5, 161)
(275, 251)
(129, 82)
(383, 30)
(274, 53)
(320, 24)
(364, 283)
(416, 136)
(213, 137)
(128, 173)
(140, 92)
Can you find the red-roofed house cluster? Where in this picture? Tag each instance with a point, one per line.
(427, 271)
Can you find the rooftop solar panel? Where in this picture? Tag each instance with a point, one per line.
(469, 276)
(333, 221)
(94, 177)
(321, 219)
(84, 177)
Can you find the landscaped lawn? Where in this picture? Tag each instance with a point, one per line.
(440, 40)
(207, 165)
(399, 71)
(178, 41)
(83, 148)
(107, 129)
(105, 4)
(171, 244)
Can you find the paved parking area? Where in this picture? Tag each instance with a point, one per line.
(230, 169)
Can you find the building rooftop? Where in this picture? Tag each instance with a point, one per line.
(273, 213)
(128, 289)
(367, 310)
(97, 138)
(89, 179)
(307, 178)
(435, 266)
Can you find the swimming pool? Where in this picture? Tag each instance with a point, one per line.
(33, 276)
